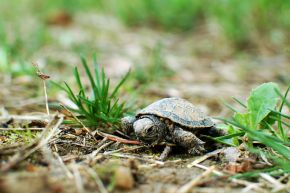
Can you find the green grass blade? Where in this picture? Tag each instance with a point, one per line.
(76, 100)
(72, 96)
(281, 121)
(268, 140)
(240, 102)
(284, 98)
(230, 106)
(283, 115)
(255, 173)
(97, 71)
(280, 110)
(219, 141)
(88, 72)
(273, 130)
(58, 85)
(78, 80)
(230, 136)
(120, 84)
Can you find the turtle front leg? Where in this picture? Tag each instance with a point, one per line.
(188, 140)
(215, 132)
(127, 124)
(165, 153)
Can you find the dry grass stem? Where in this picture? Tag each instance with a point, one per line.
(78, 179)
(97, 179)
(285, 188)
(194, 182)
(136, 157)
(118, 139)
(46, 135)
(94, 153)
(46, 97)
(63, 166)
(275, 183)
(248, 185)
(27, 117)
(123, 149)
(205, 157)
(79, 121)
(22, 129)
(43, 77)
(216, 172)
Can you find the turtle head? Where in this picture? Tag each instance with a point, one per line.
(149, 130)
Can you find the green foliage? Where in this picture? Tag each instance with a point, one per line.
(155, 70)
(103, 107)
(16, 68)
(262, 123)
(261, 100)
(16, 46)
(242, 22)
(169, 14)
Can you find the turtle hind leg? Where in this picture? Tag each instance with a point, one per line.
(188, 140)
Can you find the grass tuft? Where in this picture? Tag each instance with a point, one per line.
(103, 108)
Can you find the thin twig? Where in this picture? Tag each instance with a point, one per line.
(216, 172)
(46, 135)
(123, 149)
(94, 153)
(27, 117)
(43, 77)
(195, 181)
(118, 139)
(249, 185)
(281, 188)
(80, 122)
(46, 98)
(66, 170)
(205, 157)
(284, 177)
(97, 179)
(136, 157)
(78, 179)
(270, 179)
(23, 129)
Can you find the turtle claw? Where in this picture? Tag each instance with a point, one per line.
(197, 150)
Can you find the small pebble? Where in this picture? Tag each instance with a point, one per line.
(124, 178)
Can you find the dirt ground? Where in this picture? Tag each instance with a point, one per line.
(71, 161)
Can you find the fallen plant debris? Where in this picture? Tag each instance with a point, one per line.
(77, 148)
(198, 51)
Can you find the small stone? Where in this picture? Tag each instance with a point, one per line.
(124, 178)
(232, 154)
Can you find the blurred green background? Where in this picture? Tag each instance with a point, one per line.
(31, 29)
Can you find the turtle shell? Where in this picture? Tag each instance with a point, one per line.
(179, 111)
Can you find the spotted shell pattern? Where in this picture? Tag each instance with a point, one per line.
(178, 111)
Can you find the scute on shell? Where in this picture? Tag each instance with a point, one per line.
(179, 111)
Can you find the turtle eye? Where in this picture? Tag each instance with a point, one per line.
(150, 130)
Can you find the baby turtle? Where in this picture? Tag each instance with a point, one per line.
(171, 120)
